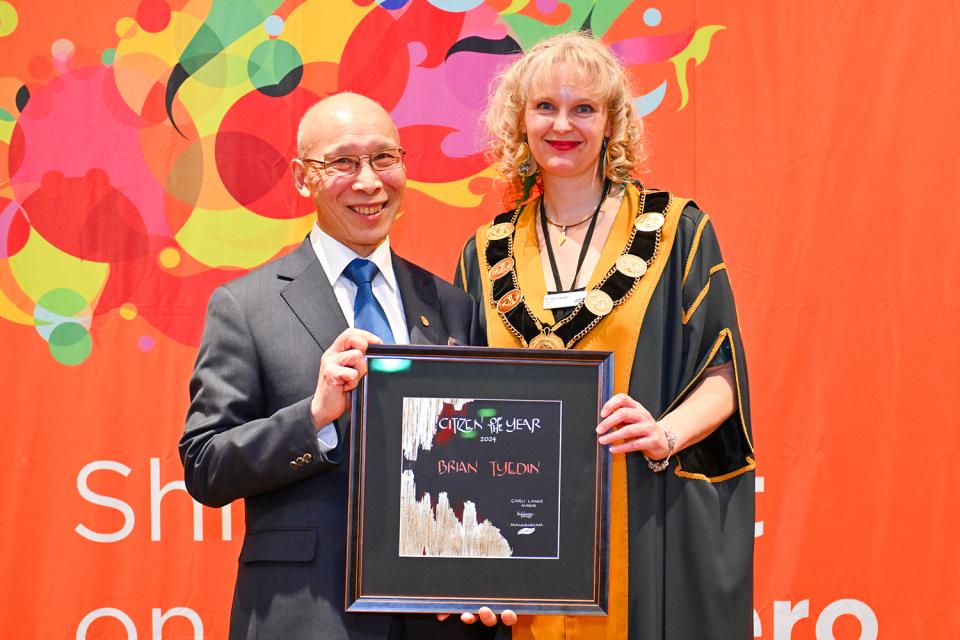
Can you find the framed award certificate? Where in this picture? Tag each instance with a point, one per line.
(476, 479)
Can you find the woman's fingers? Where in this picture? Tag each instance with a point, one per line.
(617, 401)
(625, 423)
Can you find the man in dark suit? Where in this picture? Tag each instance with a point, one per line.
(282, 348)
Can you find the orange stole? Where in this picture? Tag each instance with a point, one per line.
(617, 332)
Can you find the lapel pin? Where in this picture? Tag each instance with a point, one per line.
(425, 321)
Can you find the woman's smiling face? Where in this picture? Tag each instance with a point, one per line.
(565, 123)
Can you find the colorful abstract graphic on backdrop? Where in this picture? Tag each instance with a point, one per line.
(145, 152)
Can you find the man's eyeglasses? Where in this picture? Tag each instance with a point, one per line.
(349, 165)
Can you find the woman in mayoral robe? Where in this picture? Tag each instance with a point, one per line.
(586, 257)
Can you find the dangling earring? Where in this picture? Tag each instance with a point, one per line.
(523, 167)
(604, 160)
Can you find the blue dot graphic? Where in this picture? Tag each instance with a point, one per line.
(392, 5)
(652, 17)
(273, 25)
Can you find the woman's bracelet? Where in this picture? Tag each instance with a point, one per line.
(661, 465)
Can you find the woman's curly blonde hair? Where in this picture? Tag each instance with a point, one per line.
(597, 65)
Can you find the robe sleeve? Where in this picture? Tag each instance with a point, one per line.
(711, 335)
(468, 276)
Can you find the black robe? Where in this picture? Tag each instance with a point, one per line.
(691, 528)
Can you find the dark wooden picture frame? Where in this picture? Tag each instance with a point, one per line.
(566, 574)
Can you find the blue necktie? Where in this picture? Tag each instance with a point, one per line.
(367, 312)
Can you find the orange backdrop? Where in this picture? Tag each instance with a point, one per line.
(143, 150)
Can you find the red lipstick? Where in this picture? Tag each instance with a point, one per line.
(563, 145)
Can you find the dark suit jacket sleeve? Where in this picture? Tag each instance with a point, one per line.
(229, 449)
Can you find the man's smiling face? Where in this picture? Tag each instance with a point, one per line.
(356, 210)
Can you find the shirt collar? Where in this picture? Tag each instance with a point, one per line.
(334, 256)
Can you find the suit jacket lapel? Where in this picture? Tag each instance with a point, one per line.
(421, 306)
(310, 295)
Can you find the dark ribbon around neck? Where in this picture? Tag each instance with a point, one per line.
(616, 284)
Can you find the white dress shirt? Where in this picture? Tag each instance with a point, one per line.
(334, 258)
